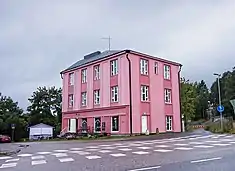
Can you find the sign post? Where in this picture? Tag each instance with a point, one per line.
(233, 104)
(220, 109)
(13, 132)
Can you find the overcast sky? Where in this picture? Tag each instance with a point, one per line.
(40, 38)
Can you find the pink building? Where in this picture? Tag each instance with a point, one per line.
(98, 95)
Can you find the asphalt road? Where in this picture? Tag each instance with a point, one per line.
(194, 153)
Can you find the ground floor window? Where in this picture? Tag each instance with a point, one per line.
(97, 124)
(169, 123)
(115, 123)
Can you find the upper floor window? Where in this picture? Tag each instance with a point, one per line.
(167, 73)
(156, 67)
(114, 67)
(97, 72)
(144, 93)
(70, 100)
(84, 98)
(84, 75)
(71, 78)
(144, 66)
(167, 96)
(97, 97)
(114, 94)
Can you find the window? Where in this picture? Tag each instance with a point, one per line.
(114, 67)
(97, 97)
(169, 123)
(97, 124)
(84, 125)
(144, 93)
(167, 96)
(71, 100)
(84, 75)
(115, 123)
(71, 78)
(97, 72)
(84, 98)
(167, 72)
(114, 94)
(144, 66)
(156, 68)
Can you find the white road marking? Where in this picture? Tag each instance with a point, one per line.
(144, 148)
(117, 144)
(213, 141)
(215, 137)
(93, 157)
(44, 152)
(146, 168)
(8, 165)
(181, 144)
(123, 146)
(75, 148)
(66, 160)
(203, 146)
(205, 160)
(37, 157)
(197, 143)
(229, 136)
(226, 140)
(92, 147)
(12, 160)
(232, 142)
(84, 153)
(5, 158)
(60, 154)
(24, 155)
(105, 145)
(222, 145)
(37, 162)
(135, 145)
(125, 149)
(61, 151)
(141, 152)
(183, 148)
(75, 152)
(162, 146)
(108, 148)
(118, 155)
(105, 151)
(163, 150)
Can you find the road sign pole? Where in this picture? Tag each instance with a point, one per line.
(221, 116)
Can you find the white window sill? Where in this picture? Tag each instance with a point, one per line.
(168, 103)
(114, 131)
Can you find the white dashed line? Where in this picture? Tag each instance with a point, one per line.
(12, 160)
(61, 151)
(232, 142)
(205, 160)
(181, 144)
(44, 152)
(212, 141)
(5, 158)
(141, 152)
(146, 168)
(109, 148)
(37, 157)
(66, 160)
(60, 154)
(75, 148)
(144, 148)
(8, 165)
(203, 146)
(222, 145)
(105, 151)
(183, 148)
(162, 146)
(163, 150)
(105, 145)
(84, 153)
(24, 155)
(118, 155)
(93, 157)
(196, 143)
(125, 149)
(92, 147)
(37, 162)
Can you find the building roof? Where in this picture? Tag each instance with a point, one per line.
(41, 125)
(101, 55)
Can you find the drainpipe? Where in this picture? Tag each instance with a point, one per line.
(130, 89)
(181, 124)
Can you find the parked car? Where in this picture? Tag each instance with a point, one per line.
(5, 139)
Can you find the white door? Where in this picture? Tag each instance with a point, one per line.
(72, 128)
(144, 124)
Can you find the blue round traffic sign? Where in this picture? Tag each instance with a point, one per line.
(220, 108)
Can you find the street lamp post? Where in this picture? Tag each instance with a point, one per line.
(219, 94)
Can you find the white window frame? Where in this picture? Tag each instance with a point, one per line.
(112, 123)
(97, 72)
(71, 78)
(169, 121)
(167, 95)
(114, 67)
(167, 72)
(96, 97)
(144, 93)
(84, 75)
(156, 67)
(84, 98)
(144, 66)
(114, 94)
(95, 124)
(71, 100)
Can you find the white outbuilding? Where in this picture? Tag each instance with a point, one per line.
(40, 131)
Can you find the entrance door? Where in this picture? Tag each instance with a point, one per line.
(73, 124)
(144, 124)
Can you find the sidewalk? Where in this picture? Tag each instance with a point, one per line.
(9, 148)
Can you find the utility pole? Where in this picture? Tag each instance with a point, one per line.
(109, 41)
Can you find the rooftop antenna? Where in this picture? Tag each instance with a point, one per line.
(109, 40)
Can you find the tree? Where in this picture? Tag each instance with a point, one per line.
(188, 99)
(45, 106)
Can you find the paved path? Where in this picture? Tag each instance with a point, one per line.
(164, 155)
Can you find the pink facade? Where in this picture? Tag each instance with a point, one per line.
(152, 109)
